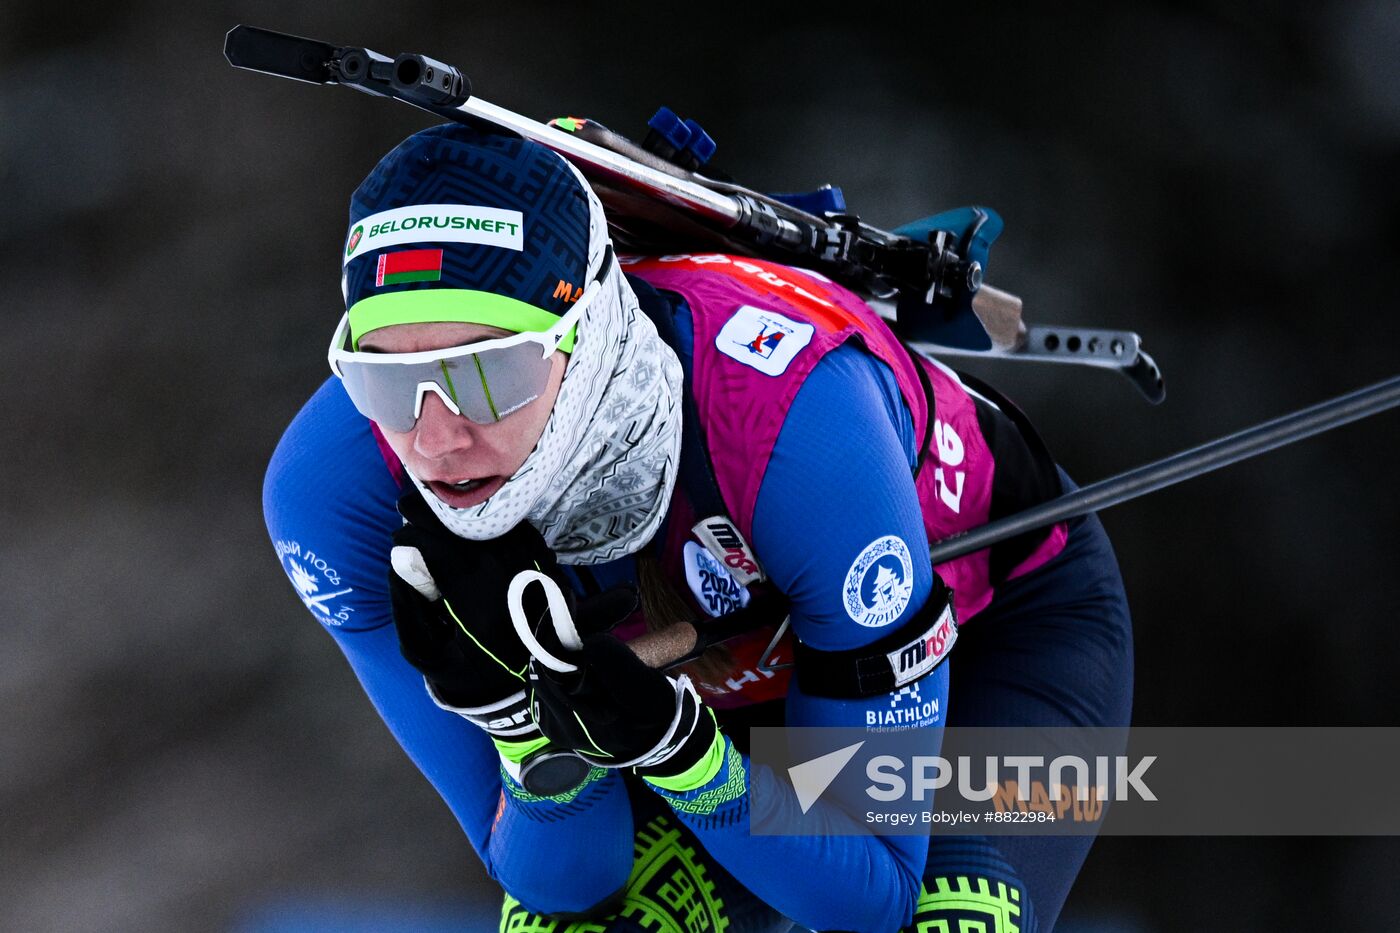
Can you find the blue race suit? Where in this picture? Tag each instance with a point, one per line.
(1054, 648)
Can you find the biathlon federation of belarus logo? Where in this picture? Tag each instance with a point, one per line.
(879, 583)
(409, 265)
(355, 236)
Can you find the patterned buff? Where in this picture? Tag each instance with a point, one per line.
(598, 482)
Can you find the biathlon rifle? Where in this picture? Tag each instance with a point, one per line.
(926, 278)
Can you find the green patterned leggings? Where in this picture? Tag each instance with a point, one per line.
(675, 887)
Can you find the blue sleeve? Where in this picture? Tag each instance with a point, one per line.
(839, 482)
(329, 502)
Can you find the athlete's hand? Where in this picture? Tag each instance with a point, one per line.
(449, 601)
(615, 711)
(451, 611)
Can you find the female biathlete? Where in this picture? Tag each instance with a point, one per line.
(523, 428)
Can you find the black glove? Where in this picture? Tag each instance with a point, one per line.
(451, 611)
(616, 712)
(462, 640)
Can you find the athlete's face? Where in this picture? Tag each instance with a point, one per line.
(462, 462)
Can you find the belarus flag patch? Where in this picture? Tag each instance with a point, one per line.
(409, 265)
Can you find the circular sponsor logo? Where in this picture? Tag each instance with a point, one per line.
(879, 583)
(355, 236)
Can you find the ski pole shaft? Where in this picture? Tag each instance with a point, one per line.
(665, 647)
(1186, 465)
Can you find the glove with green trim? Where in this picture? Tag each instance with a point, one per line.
(453, 618)
(614, 711)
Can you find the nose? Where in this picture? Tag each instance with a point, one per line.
(439, 432)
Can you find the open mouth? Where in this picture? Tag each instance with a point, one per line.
(468, 492)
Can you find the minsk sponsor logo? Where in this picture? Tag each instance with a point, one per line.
(723, 540)
(714, 587)
(922, 655)
(439, 223)
(880, 582)
(764, 340)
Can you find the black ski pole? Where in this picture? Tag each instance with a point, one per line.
(682, 641)
(1197, 461)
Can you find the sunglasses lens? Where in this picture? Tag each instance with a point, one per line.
(485, 387)
(512, 378)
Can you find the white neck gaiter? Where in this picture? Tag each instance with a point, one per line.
(598, 482)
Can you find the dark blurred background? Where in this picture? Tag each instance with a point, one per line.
(182, 747)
